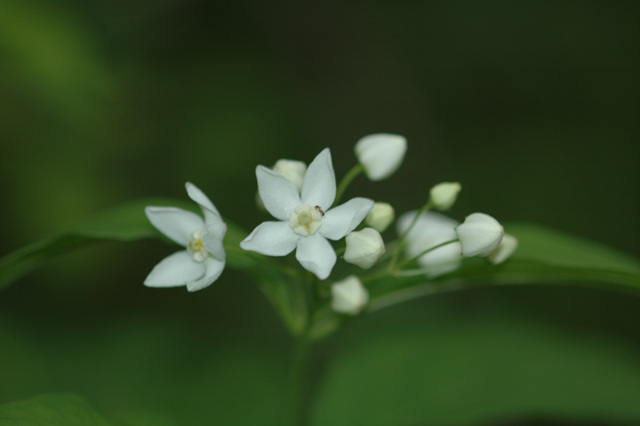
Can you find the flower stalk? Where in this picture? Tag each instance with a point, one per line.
(346, 181)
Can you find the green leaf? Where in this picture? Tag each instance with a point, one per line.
(429, 366)
(549, 256)
(124, 223)
(544, 256)
(52, 409)
(280, 284)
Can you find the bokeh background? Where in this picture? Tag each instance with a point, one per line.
(532, 106)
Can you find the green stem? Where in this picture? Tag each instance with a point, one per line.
(298, 380)
(355, 171)
(408, 261)
(293, 273)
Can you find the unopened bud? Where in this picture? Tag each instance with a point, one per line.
(479, 235)
(381, 154)
(507, 246)
(380, 216)
(444, 195)
(364, 248)
(349, 296)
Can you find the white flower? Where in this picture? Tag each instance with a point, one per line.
(381, 154)
(349, 296)
(430, 230)
(204, 258)
(479, 235)
(444, 195)
(507, 246)
(364, 248)
(292, 170)
(304, 219)
(380, 216)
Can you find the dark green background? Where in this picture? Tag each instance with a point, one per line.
(532, 106)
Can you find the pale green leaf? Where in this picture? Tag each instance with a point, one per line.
(51, 410)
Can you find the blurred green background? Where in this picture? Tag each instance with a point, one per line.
(532, 106)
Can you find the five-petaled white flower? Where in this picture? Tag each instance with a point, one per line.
(204, 258)
(304, 219)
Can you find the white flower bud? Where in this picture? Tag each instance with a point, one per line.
(364, 248)
(444, 195)
(430, 230)
(381, 154)
(380, 216)
(479, 235)
(507, 246)
(349, 296)
(292, 170)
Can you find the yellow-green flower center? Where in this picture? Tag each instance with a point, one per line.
(306, 220)
(196, 248)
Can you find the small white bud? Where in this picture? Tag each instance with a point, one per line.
(349, 296)
(430, 230)
(444, 195)
(292, 170)
(479, 235)
(507, 246)
(381, 154)
(364, 248)
(380, 216)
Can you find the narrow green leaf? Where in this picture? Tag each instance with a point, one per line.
(53, 410)
(123, 223)
(544, 256)
(280, 284)
(549, 256)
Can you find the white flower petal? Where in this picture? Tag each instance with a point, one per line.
(341, 220)
(292, 170)
(319, 185)
(203, 201)
(175, 270)
(316, 255)
(212, 240)
(278, 194)
(271, 239)
(213, 268)
(175, 223)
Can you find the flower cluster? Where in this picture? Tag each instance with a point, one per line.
(302, 201)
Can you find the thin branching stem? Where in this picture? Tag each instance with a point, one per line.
(400, 244)
(414, 258)
(346, 180)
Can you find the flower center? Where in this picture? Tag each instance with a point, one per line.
(195, 247)
(306, 220)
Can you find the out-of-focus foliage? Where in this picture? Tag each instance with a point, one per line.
(532, 107)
